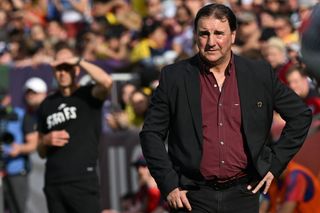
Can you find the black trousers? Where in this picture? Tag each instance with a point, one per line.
(236, 199)
(73, 197)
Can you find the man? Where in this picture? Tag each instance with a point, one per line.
(299, 82)
(24, 142)
(216, 109)
(69, 126)
(297, 190)
(14, 163)
(35, 91)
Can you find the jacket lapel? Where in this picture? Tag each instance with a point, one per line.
(192, 85)
(244, 83)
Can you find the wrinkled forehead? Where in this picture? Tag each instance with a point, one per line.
(210, 22)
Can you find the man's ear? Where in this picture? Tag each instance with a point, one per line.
(233, 36)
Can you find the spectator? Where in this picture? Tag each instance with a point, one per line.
(134, 113)
(299, 82)
(115, 47)
(154, 9)
(249, 33)
(35, 91)
(285, 30)
(267, 25)
(183, 42)
(3, 25)
(151, 50)
(297, 190)
(74, 15)
(275, 53)
(69, 127)
(304, 11)
(148, 196)
(118, 12)
(16, 163)
(56, 32)
(139, 102)
(273, 5)
(147, 199)
(5, 55)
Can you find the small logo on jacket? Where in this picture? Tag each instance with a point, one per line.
(259, 104)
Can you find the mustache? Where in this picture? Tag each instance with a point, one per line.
(210, 48)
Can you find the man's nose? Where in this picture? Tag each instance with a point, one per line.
(211, 40)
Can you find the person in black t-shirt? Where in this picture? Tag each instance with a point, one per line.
(69, 125)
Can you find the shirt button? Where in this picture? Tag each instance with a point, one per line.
(221, 142)
(220, 105)
(222, 161)
(215, 85)
(220, 124)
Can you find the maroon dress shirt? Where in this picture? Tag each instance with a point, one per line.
(224, 154)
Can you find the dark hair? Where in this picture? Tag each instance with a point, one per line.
(149, 26)
(218, 11)
(63, 45)
(186, 8)
(286, 20)
(296, 68)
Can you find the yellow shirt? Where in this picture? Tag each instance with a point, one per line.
(142, 50)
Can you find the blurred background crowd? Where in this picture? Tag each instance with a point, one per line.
(132, 40)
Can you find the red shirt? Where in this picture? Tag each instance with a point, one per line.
(224, 153)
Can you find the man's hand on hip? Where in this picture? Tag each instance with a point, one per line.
(178, 199)
(267, 180)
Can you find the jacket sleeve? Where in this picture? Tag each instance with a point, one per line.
(298, 119)
(153, 136)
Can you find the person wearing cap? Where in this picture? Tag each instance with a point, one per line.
(35, 91)
(25, 142)
(69, 126)
(215, 111)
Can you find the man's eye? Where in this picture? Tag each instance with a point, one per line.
(202, 34)
(219, 33)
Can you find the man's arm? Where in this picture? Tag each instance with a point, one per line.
(31, 141)
(298, 118)
(55, 138)
(153, 136)
(102, 79)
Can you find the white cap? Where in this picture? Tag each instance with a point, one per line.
(35, 84)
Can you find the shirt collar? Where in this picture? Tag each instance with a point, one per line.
(205, 66)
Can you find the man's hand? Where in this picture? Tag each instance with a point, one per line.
(266, 180)
(56, 138)
(70, 61)
(178, 199)
(15, 150)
